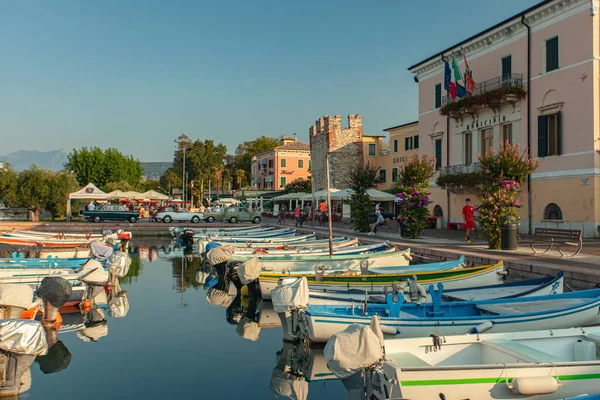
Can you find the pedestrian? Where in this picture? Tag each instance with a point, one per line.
(91, 206)
(467, 212)
(131, 207)
(281, 218)
(322, 211)
(298, 215)
(380, 221)
(376, 207)
(306, 212)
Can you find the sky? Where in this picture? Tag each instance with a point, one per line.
(135, 74)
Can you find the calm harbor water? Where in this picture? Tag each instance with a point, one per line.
(172, 344)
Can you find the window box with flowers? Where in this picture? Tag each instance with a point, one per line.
(492, 99)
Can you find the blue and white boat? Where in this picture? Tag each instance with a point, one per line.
(18, 261)
(401, 319)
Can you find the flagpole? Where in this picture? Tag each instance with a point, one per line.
(329, 206)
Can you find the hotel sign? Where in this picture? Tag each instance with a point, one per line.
(399, 160)
(286, 172)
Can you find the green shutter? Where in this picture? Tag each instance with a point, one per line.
(416, 142)
(542, 135)
(395, 145)
(405, 144)
(559, 132)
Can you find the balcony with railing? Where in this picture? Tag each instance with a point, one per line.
(492, 93)
(460, 179)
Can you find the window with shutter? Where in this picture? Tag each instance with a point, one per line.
(438, 153)
(552, 54)
(438, 95)
(550, 135)
(394, 174)
(468, 148)
(542, 135)
(507, 134)
(416, 142)
(382, 175)
(408, 143)
(395, 145)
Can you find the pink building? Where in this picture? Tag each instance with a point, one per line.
(274, 169)
(552, 52)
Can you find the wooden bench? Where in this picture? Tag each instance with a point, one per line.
(455, 225)
(557, 237)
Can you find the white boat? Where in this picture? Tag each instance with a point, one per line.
(543, 364)
(304, 244)
(279, 240)
(57, 235)
(269, 254)
(319, 323)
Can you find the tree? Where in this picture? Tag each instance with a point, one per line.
(33, 189)
(240, 178)
(245, 151)
(8, 185)
(298, 186)
(170, 179)
(412, 194)
(103, 166)
(362, 178)
(503, 175)
(60, 185)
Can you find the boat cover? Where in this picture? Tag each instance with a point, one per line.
(218, 255)
(288, 385)
(57, 359)
(249, 271)
(100, 250)
(201, 276)
(55, 290)
(23, 336)
(16, 295)
(119, 264)
(290, 296)
(93, 332)
(376, 328)
(211, 245)
(248, 329)
(219, 297)
(349, 351)
(119, 305)
(98, 276)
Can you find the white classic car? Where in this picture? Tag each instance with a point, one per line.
(169, 214)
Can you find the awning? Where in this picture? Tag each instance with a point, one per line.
(269, 178)
(262, 162)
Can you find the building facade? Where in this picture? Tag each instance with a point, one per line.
(274, 169)
(345, 147)
(537, 75)
(403, 143)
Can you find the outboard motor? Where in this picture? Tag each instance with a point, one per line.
(54, 291)
(187, 237)
(20, 342)
(58, 356)
(118, 266)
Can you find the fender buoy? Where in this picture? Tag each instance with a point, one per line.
(257, 251)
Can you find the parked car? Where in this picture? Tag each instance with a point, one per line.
(170, 214)
(238, 214)
(216, 214)
(386, 215)
(111, 212)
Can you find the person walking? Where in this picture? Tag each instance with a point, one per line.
(306, 212)
(467, 212)
(298, 214)
(322, 211)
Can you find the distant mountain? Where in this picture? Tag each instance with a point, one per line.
(55, 161)
(22, 159)
(154, 170)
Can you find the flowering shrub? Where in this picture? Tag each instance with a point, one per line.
(497, 202)
(413, 202)
(360, 204)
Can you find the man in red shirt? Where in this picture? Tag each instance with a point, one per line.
(467, 213)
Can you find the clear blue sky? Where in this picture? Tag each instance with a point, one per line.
(134, 74)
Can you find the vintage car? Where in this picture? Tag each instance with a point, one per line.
(237, 214)
(216, 214)
(111, 212)
(170, 214)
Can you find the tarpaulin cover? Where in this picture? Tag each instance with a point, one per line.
(219, 255)
(201, 276)
(288, 385)
(119, 264)
(6, 251)
(16, 295)
(93, 332)
(290, 296)
(101, 251)
(57, 359)
(55, 290)
(119, 305)
(219, 297)
(354, 348)
(211, 245)
(249, 271)
(23, 336)
(98, 276)
(248, 329)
